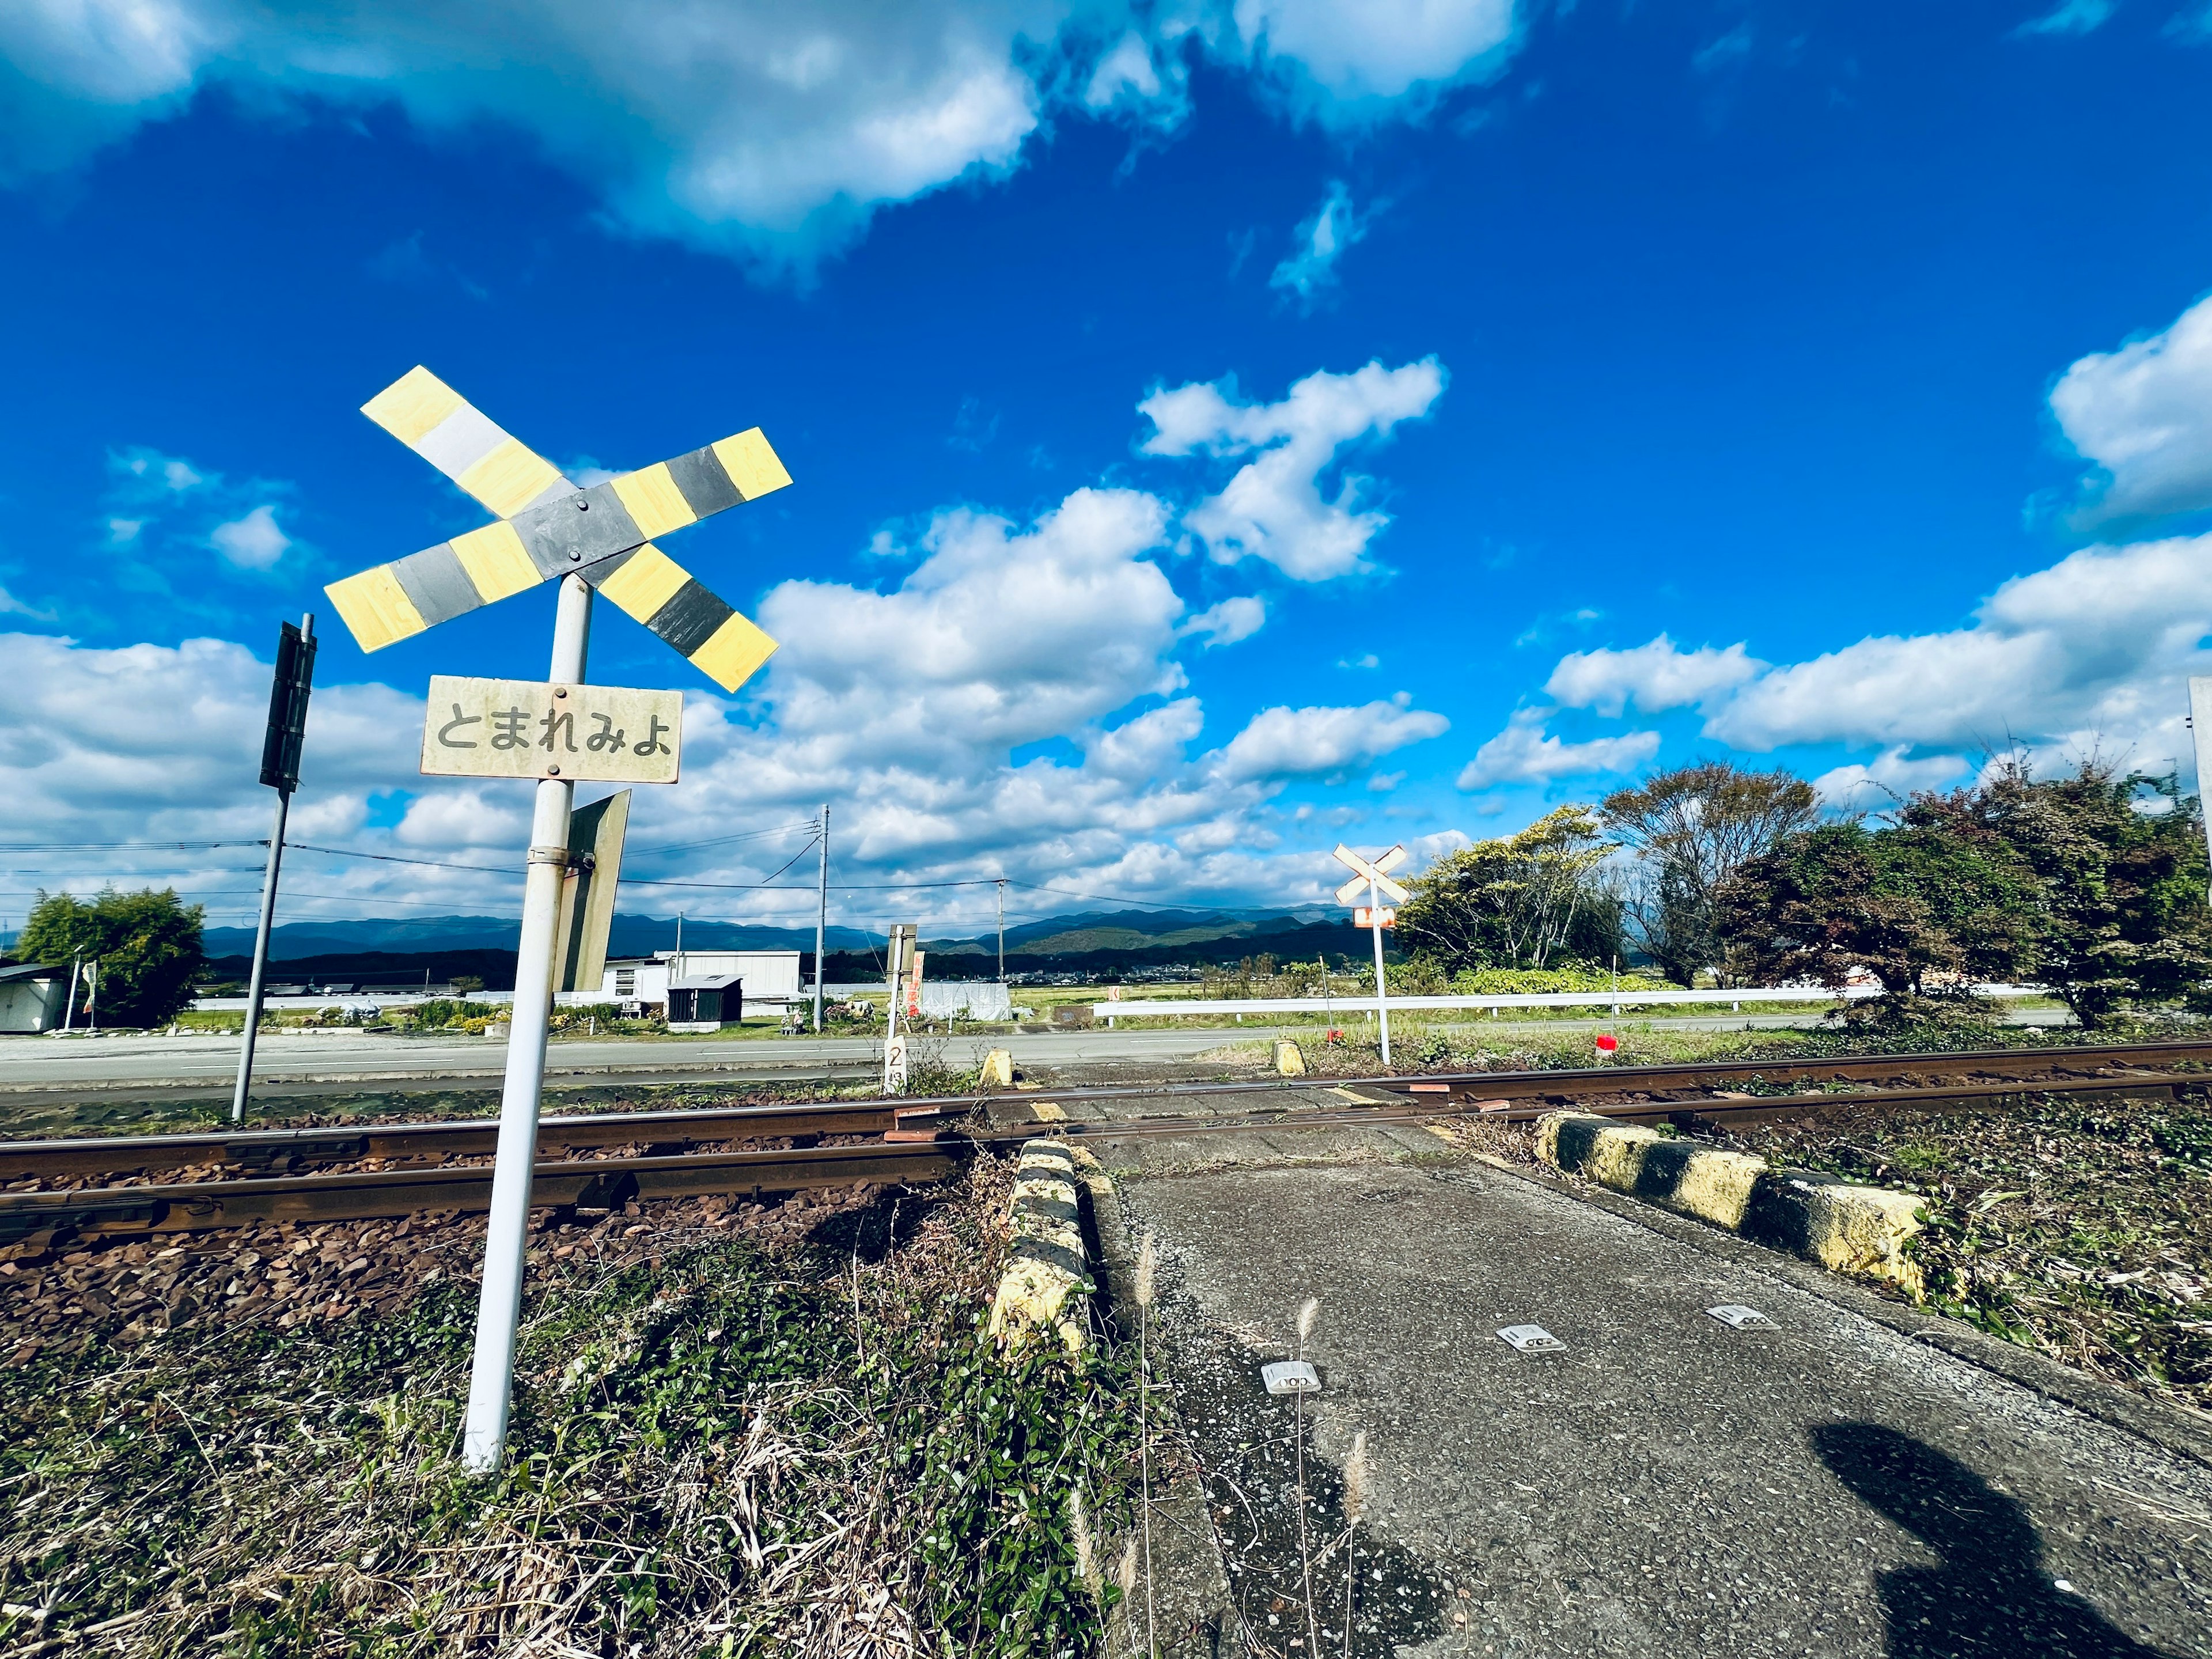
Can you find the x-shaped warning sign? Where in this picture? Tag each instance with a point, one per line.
(1373, 873)
(547, 527)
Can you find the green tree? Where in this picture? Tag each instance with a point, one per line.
(2120, 867)
(1693, 828)
(147, 943)
(1519, 901)
(1934, 898)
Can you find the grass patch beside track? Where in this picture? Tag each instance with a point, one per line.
(2080, 1228)
(1419, 1046)
(720, 1446)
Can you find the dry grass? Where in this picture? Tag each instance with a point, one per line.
(702, 1461)
(2080, 1228)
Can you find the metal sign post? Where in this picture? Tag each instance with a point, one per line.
(506, 1232)
(1372, 877)
(288, 691)
(821, 916)
(600, 539)
(901, 958)
(2200, 728)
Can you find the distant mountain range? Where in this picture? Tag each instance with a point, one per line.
(1091, 940)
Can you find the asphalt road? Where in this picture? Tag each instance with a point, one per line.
(1666, 1484)
(347, 1056)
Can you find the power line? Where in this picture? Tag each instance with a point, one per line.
(723, 840)
(119, 846)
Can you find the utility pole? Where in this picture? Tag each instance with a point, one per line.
(1001, 885)
(491, 1372)
(821, 916)
(288, 691)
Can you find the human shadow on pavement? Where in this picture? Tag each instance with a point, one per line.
(1993, 1593)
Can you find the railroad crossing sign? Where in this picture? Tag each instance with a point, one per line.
(548, 527)
(1371, 880)
(1375, 875)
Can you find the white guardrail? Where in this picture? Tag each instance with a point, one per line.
(1614, 1000)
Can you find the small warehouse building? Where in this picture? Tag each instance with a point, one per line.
(766, 980)
(33, 998)
(706, 1002)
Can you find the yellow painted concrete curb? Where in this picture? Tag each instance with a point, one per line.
(1861, 1230)
(1047, 1275)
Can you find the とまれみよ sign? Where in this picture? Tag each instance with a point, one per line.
(478, 728)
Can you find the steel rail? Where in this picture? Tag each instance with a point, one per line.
(273, 1149)
(606, 1183)
(270, 1150)
(611, 1182)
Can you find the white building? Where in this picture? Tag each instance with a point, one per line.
(769, 977)
(32, 997)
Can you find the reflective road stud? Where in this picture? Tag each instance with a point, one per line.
(1532, 1338)
(1736, 1316)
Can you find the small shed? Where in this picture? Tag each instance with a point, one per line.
(32, 997)
(706, 1002)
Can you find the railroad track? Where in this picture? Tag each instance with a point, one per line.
(923, 1141)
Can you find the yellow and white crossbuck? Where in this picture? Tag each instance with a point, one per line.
(548, 527)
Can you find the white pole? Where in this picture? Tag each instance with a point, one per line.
(1002, 929)
(1382, 1008)
(69, 1008)
(506, 1232)
(821, 917)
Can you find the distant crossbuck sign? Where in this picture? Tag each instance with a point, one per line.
(1375, 873)
(480, 728)
(547, 527)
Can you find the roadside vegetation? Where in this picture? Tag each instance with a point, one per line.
(2091, 883)
(723, 1444)
(2080, 1228)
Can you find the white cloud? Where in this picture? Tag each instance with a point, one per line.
(1321, 241)
(1287, 743)
(1149, 746)
(1273, 508)
(2144, 414)
(1344, 64)
(2096, 645)
(777, 129)
(2071, 17)
(1653, 676)
(1382, 783)
(1889, 777)
(1523, 753)
(11, 606)
(999, 637)
(1134, 77)
(1233, 619)
(1366, 659)
(253, 542)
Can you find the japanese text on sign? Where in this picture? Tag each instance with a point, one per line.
(527, 729)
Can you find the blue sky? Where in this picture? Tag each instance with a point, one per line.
(1216, 432)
